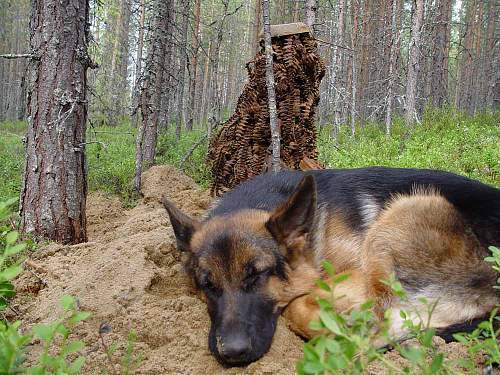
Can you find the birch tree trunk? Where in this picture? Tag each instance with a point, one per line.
(413, 62)
(271, 95)
(54, 186)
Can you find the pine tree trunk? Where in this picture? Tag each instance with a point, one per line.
(392, 67)
(413, 62)
(271, 95)
(336, 70)
(492, 55)
(138, 64)
(182, 70)
(194, 65)
(257, 26)
(54, 186)
(152, 93)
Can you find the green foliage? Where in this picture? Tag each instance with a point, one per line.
(485, 338)
(58, 350)
(9, 248)
(351, 341)
(59, 354)
(444, 140)
(11, 158)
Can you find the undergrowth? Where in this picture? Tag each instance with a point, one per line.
(347, 344)
(467, 145)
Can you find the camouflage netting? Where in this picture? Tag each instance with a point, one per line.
(242, 147)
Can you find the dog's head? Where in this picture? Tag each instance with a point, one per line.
(245, 264)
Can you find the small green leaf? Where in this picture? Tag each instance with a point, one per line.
(316, 325)
(437, 363)
(73, 347)
(413, 354)
(67, 302)
(329, 322)
(77, 365)
(427, 336)
(11, 238)
(341, 278)
(44, 331)
(332, 346)
(10, 273)
(11, 250)
(313, 367)
(328, 267)
(78, 317)
(321, 284)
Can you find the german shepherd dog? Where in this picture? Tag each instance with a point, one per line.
(258, 252)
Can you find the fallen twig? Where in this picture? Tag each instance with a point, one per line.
(191, 150)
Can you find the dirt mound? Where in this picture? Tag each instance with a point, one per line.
(129, 277)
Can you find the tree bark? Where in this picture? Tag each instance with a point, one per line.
(337, 68)
(441, 44)
(392, 67)
(413, 62)
(311, 13)
(271, 95)
(152, 93)
(54, 186)
(182, 70)
(138, 64)
(194, 65)
(257, 26)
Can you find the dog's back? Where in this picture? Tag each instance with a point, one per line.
(360, 195)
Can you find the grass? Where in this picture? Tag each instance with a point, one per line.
(457, 143)
(110, 158)
(445, 140)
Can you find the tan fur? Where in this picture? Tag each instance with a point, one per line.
(425, 237)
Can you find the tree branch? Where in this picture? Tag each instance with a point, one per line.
(17, 56)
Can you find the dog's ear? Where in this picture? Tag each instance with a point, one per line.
(292, 221)
(184, 226)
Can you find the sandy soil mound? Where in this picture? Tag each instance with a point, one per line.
(129, 276)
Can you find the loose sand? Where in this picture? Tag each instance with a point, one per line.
(129, 276)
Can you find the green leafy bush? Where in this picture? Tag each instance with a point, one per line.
(348, 345)
(485, 339)
(9, 248)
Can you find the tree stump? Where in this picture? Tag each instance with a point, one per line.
(242, 147)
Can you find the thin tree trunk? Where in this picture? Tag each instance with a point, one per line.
(194, 65)
(392, 65)
(138, 64)
(311, 14)
(182, 70)
(257, 26)
(337, 66)
(271, 95)
(492, 53)
(413, 62)
(152, 93)
(55, 187)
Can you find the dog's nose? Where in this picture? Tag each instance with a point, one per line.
(235, 348)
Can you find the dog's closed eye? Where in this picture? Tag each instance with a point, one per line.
(255, 276)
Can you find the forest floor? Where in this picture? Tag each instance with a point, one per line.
(129, 277)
